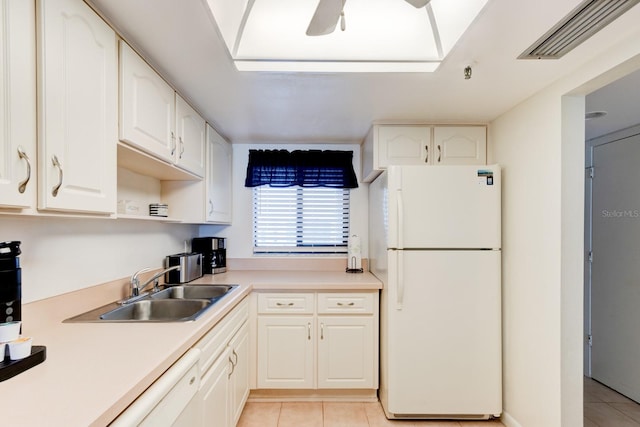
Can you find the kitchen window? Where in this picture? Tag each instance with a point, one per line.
(300, 220)
(300, 200)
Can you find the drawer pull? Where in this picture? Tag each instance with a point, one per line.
(322, 331)
(192, 380)
(282, 304)
(341, 304)
(309, 331)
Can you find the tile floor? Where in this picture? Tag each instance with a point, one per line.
(334, 414)
(604, 407)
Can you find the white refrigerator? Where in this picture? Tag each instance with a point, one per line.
(435, 234)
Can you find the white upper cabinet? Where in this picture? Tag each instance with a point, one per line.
(77, 120)
(387, 145)
(218, 178)
(157, 120)
(147, 107)
(18, 104)
(402, 145)
(460, 145)
(191, 136)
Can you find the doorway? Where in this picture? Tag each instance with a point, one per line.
(614, 261)
(612, 250)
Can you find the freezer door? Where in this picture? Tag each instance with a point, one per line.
(441, 335)
(444, 207)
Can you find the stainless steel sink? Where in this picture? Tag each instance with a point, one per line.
(172, 304)
(158, 310)
(194, 292)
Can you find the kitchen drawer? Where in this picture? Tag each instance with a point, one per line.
(358, 303)
(302, 303)
(213, 344)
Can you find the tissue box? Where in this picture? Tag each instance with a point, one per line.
(129, 207)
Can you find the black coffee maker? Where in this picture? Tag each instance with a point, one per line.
(214, 253)
(10, 282)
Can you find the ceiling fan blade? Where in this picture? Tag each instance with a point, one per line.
(418, 3)
(325, 18)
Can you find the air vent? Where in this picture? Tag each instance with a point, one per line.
(584, 21)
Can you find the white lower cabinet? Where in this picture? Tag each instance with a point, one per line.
(286, 349)
(239, 376)
(224, 369)
(214, 393)
(323, 340)
(345, 349)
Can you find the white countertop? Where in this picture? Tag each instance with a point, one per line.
(93, 371)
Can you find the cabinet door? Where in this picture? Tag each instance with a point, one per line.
(286, 352)
(18, 103)
(214, 394)
(239, 386)
(402, 145)
(147, 107)
(218, 178)
(190, 130)
(460, 145)
(346, 348)
(78, 82)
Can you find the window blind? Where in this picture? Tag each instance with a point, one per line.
(300, 219)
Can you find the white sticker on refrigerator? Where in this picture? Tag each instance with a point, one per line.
(485, 177)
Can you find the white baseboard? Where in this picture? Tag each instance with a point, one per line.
(509, 421)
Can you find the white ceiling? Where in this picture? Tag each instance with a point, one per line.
(180, 39)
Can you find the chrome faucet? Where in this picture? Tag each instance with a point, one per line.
(136, 287)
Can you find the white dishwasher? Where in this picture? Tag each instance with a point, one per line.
(164, 402)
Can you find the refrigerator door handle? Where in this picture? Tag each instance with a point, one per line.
(400, 229)
(400, 281)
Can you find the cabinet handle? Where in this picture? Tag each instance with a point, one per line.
(233, 368)
(321, 331)
(23, 185)
(211, 210)
(439, 153)
(181, 146)
(309, 331)
(426, 157)
(341, 304)
(281, 304)
(235, 355)
(56, 163)
(173, 143)
(192, 380)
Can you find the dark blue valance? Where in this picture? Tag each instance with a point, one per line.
(306, 168)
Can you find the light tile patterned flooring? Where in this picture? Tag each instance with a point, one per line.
(334, 414)
(604, 407)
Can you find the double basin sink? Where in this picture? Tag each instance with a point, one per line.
(171, 304)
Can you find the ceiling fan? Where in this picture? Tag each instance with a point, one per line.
(328, 13)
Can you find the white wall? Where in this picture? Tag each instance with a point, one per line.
(240, 233)
(61, 255)
(540, 145)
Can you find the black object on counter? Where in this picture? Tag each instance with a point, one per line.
(10, 282)
(11, 368)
